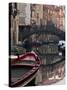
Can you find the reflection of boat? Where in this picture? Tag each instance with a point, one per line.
(24, 69)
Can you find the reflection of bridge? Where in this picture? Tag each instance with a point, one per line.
(22, 72)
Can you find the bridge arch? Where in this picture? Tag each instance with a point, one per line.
(43, 30)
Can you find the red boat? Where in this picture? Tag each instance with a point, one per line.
(24, 69)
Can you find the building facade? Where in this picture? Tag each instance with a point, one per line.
(24, 13)
(56, 14)
(38, 14)
(22, 18)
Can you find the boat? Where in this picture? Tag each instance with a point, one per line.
(23, 69)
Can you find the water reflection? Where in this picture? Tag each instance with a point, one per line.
(50, 74)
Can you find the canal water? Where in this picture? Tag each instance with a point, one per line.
(50, 74)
